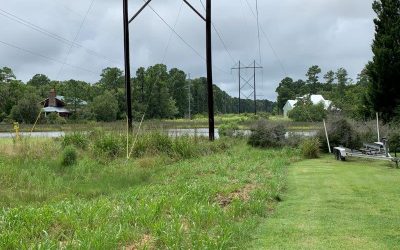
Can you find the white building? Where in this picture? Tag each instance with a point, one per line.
(315, 99)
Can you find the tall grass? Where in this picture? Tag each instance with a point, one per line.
(210, 202)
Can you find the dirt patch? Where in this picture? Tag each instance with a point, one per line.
(146, 242)
(241, 194)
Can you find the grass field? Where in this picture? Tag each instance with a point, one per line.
(336, 205)
(152, 202)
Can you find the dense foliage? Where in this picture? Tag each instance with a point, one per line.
(157, 92)
(305, 111)
(346, 95)
(310, 148)
(384, 70)
(341, 133)
(266, 135)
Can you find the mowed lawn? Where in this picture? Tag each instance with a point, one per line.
(336, 205)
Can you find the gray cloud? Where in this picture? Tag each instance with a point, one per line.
(329, 33)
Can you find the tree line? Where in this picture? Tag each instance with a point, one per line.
(346, 94)
(157, 92)
(377, 88)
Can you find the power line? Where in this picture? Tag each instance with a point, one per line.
(170, 36)
(219, 36)
(52, 35)
(258, 33)
(268, 40)
(76, 37)
(181, 38)
(46, 57)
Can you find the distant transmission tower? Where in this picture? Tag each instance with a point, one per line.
(247, 83)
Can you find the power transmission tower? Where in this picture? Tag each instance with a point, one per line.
(247, 83)
(208, 22)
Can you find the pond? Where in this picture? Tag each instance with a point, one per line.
(171, 132)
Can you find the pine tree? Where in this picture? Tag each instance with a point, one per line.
(384, 70)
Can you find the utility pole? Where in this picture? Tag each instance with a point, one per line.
(239, 85)
(208, 22)
(128, 89)
(247, 84)
(211, 134)
(255, 94)
(190, 97)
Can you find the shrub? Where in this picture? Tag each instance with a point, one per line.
(79, 140)
(108, 145)
(308, 112)
(69, 156)
(341, 133)
(27, 109)
(153, 143)
(54, 118)
(266, 135)
(394, 139)
(228, 129)
(185, 147)
(3, 116)
(310, 148)
(105, 107)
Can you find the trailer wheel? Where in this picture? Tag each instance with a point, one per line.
(336, 154)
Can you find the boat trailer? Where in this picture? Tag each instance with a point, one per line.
(374, 151)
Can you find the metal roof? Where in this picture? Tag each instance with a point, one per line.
(55, 109)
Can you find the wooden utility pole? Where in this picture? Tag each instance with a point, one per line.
(208, 22)
(211, 134)
(255, 93)
(128, 89)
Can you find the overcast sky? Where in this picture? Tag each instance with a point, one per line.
(295, 34)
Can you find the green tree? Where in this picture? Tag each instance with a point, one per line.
(313, 79)
(342, 77)
(39, 80)
(179, 91)
(75, 93)
(384, 73)
(329, 80)
(105, 107)
(27, 109)
(112, 79)
(306, 111)
(285, 92)
(6, 75)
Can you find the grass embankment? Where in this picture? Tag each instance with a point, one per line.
(336, 205)
(152, 202)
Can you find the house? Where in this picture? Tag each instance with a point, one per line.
(55, 104)
(315, 99)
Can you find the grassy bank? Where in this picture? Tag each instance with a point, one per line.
(152, 201)
(336, 205)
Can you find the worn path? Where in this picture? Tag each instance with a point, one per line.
(336, 205)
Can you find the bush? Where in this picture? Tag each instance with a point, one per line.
(394, 139)
(108, 144)
(69, 156)
(341, 133)
(55, 118)
(266, 135)
(79, 140)
(2, 116)
(153, 143)
(228, 129)
(105, 107)
(310, 148)
(308, 113)
(27, 110)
